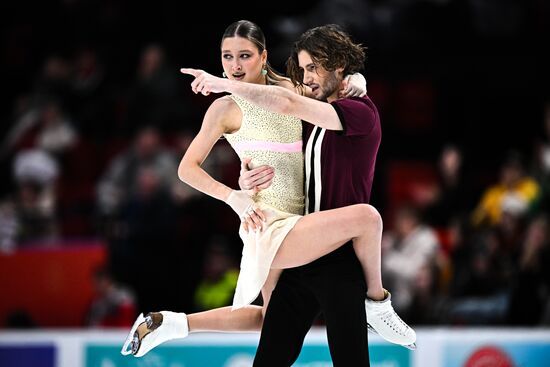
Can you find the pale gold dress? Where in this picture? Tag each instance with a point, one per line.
(275, 140)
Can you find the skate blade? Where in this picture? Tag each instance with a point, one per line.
(409, 346)
(129, 339)
(152, 322)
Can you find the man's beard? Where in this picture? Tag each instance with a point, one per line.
(330, 86)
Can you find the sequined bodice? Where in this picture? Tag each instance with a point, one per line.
(275, 140)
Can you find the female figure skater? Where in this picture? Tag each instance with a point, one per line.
(282, 236)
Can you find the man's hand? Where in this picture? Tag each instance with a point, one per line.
(256, 179)
(205, 83)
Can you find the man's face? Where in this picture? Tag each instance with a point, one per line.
(324, 84)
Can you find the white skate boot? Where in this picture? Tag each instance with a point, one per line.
(383, 320)
(154, 329)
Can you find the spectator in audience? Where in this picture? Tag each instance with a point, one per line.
(44, 126)
(452, 195)
(542, 146)
(154, 97)
(120, 181)
(516, 192)
(425, 304)
(90, 95)
(88, 72)
(220, 273)
(57, 133)
(481, 295)
(407, 249)
(30, 214)
(146, 229)
(461, 252)
(54, 80)
(39, 114)
(113, 305)
(531, 285)
(541, 162)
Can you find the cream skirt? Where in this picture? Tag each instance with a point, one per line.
(258, 253)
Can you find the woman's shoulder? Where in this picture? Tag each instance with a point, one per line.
(223, 106)
(224, 110)
(223, 103)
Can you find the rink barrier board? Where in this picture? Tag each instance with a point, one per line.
(436, 348)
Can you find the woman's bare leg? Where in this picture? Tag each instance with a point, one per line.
(248, 318)
(320, 233)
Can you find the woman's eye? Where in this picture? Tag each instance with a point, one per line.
(227, 57)
(245, 56)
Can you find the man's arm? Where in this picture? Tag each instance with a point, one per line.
(272, 98)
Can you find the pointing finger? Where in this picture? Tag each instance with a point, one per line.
(190, 71)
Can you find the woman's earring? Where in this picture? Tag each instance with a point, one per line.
(264, 72)
(224, 74)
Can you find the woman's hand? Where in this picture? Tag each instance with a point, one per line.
(205, 83)
(251, 216)
(354, 85)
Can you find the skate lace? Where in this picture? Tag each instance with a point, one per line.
(389, 317)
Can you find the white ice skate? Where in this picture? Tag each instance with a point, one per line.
(154, 329)
(384, 321)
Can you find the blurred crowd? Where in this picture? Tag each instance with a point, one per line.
(86, 153)
(83, 163)
(463, 256)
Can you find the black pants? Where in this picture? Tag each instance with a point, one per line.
(333, 285)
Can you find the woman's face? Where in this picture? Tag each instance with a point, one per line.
(242, 61)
